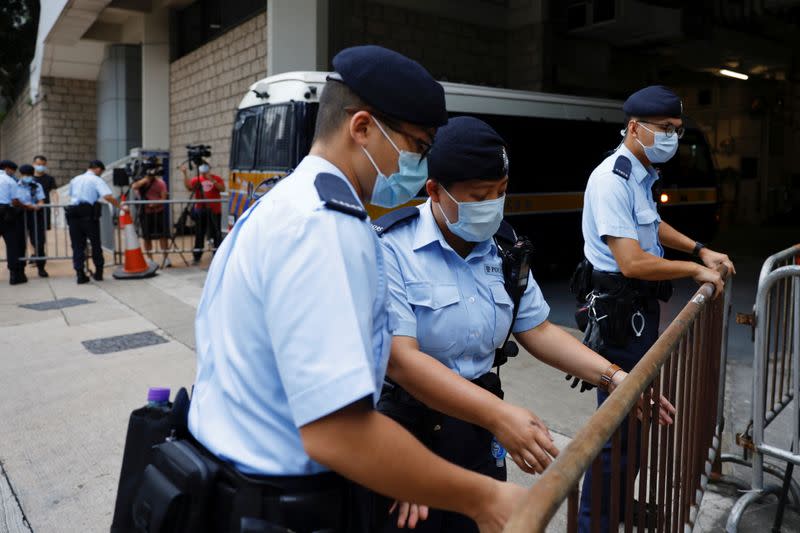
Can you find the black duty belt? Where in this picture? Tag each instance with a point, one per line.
(613, 283)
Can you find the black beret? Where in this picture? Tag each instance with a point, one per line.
(5, 163)
(27, 170)
(96, 163)
(653, 101)
(392, 83)
(466, 149)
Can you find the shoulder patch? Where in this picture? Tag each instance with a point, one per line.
(622, 167)
(506, 233)
(395, 219)
(336, 195)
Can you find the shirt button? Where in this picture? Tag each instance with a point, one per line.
(472, 299)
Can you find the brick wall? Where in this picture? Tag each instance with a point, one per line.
(62, 126)
(207, 85)
(450, 49)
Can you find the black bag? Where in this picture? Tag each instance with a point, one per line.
(175, 491)
(147, 427)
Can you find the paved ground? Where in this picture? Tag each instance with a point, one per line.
(63, 409)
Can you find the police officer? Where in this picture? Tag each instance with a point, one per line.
(83, 218)
(293, 326)
(32, 197)
(454, 309)
(11, 227)
(624, 274)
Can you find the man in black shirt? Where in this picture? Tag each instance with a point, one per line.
(44, 179)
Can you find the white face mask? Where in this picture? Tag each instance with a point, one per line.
(663, 147)
(477, 221)
(203, 169)
(40, 168)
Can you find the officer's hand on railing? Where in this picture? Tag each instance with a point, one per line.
(499, 504)
(409, 513)
(525, 437)
(713, 260)
(665, 410)
(708, 275)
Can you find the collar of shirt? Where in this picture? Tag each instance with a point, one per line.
(638, 170)
(428, 232)
(320, 165)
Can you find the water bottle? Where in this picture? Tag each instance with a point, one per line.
(158, 398)
(499, 453)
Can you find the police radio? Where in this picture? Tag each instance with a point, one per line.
(516, 269)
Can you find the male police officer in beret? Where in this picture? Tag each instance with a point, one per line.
(293, 330)
(625, 273)
(11, 222)
(83, 218)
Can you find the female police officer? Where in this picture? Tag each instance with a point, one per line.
(446, 287)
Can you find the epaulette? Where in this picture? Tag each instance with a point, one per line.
(622, 167)
(395, 219)
(506, 233)
(336, 195)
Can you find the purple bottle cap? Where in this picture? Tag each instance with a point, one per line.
(158, 394)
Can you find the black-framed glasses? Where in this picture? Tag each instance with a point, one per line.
(668, 128)
(423, 146)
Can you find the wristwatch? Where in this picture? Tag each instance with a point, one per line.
(607, 378)
(697, 247)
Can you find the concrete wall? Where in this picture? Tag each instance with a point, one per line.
(207, 85)
(451, 49)
(119, 102)
(62, 126)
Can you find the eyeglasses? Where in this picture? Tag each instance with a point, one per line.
(668, 128)
(423, 146)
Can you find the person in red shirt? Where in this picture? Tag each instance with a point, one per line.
(152, 220)
(207, 216)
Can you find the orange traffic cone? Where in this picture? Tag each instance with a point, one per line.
(136, 266)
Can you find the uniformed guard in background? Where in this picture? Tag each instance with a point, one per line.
(32, 197)
(83, 217)
(293, 330)
(624, 274)
(11, 224)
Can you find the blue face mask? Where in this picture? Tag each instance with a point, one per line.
(477, 221)
(663, 147)
(40, 168)
(26, 179)
(404, 184)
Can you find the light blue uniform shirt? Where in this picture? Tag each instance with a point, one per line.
(30, 191)
(616, 207)
(292, 325)
(8, 189)
(457, 308)
(87, 188)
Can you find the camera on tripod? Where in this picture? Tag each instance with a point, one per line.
(136, 169)
(196, 153)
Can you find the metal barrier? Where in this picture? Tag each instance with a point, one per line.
(675, 461)
(176, 223)
(51, 242)
(776, 382)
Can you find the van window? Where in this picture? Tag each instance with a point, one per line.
(276, 142)
(245, 139)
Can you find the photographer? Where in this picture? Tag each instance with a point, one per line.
(151, 216)
(207, 216)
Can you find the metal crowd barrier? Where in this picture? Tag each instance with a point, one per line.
(776, 383)
(675, 461)
(177, 221)
(54, 242)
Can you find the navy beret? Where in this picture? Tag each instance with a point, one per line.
(467, 149)
(5, 163)
(27, 170)
(653, 101)
(392, 83)
(96, 163)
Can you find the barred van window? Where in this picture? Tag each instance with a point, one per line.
(276, 140)
(245, 139)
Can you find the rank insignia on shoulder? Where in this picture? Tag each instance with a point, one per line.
(622, 167)
(395, 219)
(336, 195)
